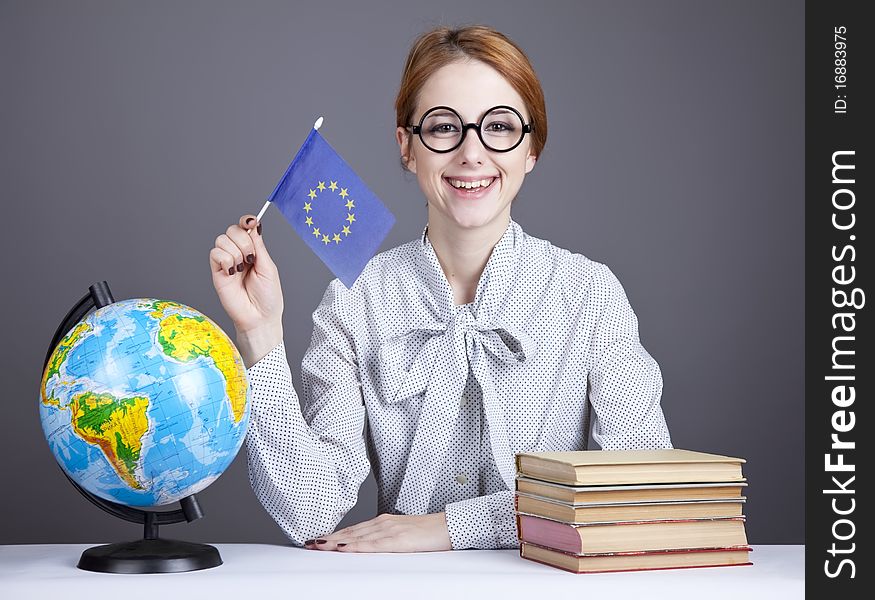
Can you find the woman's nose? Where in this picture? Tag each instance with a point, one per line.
(472, 149)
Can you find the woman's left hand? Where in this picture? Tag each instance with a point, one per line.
(390, 533)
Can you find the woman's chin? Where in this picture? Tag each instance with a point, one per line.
(472, 218)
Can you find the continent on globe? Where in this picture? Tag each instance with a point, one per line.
(116, 425)
(186, 338)
(60, 355)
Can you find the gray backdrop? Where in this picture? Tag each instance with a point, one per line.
(132, 134)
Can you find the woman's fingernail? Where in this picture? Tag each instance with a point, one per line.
(231, 271)
(239, 267)
(258, 229)
(308, 542)
(341, 545)
(321, 542)
(249, 220)
(250, 258)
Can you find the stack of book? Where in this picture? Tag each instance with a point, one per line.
(593, 511)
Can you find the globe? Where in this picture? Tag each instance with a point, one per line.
(144, 402)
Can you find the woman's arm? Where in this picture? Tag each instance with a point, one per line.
(306, 466)
(625, 382)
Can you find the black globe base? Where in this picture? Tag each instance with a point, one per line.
(150, 556)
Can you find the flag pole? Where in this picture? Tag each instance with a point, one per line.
(316, 126)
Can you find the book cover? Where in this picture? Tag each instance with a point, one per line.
(631, 536)
(637, 561)
(628, 511)
(612, 467)
(629, 492)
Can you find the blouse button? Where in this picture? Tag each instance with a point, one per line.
(461, 479)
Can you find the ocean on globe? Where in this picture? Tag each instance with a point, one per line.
(145, 402)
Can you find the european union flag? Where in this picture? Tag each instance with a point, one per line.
(333, 210)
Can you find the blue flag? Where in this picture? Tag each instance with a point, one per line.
(333, 210)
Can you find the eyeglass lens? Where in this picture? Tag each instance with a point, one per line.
(501, 129)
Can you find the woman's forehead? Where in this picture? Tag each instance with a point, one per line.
(470, 87)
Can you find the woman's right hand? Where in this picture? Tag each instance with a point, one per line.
(248, 284)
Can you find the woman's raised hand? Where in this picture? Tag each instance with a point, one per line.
(248, 285)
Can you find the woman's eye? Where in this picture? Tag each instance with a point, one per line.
(498, 127)
(444, 130)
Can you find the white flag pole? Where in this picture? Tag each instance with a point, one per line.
(316, 126)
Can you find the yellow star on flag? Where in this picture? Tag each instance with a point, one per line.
(316, 232)
(325, 239)
(307, 207)
(350, 217)
(321, 186)
(336, 239)
(345, 229)
(333, 186)
(349, 204)
(312, 194)
(309, 220)
(343, 193)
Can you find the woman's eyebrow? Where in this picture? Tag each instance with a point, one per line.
(441, 113)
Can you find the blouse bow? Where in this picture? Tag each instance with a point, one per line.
(442, 354)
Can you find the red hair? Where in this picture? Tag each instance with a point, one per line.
(443, 45)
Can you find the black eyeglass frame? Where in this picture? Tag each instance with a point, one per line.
(417, 129)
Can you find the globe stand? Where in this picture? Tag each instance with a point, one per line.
(150, 554)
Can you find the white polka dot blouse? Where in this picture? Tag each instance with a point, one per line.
(437, 398)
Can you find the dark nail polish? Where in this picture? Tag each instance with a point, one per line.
(321, 542)
(341, 545)
(249, 220)
(231, 271)
(239, 267)
(308, 542)
(250, 258)
(258, 229)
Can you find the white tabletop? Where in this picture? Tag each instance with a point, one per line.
(255, 571)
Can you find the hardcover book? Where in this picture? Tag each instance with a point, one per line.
(614, 467)
(627, 511)
(629, 493)
(631, 536)
(636, 561)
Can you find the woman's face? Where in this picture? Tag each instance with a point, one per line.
(471, 88)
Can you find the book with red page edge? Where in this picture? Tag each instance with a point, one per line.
(650, 553)
(565, 536)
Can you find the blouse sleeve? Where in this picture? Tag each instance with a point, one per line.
(485, 522)
(307, 461)
(625, 382)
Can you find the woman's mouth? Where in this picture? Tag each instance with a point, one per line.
(470, 189)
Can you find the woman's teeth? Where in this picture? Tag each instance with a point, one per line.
(470, 185)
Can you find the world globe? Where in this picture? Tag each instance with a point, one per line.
(144, 402)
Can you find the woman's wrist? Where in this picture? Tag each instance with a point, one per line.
(255, 344)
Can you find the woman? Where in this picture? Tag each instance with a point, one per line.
(450, 353)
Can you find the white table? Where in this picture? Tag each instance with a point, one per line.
(256, 571)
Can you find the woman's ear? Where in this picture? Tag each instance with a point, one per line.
(403, 137)
(531, 159)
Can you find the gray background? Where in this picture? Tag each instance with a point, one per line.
(132, 134)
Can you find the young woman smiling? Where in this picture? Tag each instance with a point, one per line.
(452, 352)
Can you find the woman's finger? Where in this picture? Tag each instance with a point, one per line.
(254, 230)
(248, 223)
(222, 260)
(382, 544)
(244, 246)
(226, 244)
(355, 529)
(329, 542)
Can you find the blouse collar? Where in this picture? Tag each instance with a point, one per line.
(495, 281)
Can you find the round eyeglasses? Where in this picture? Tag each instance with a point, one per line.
(441, 129)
